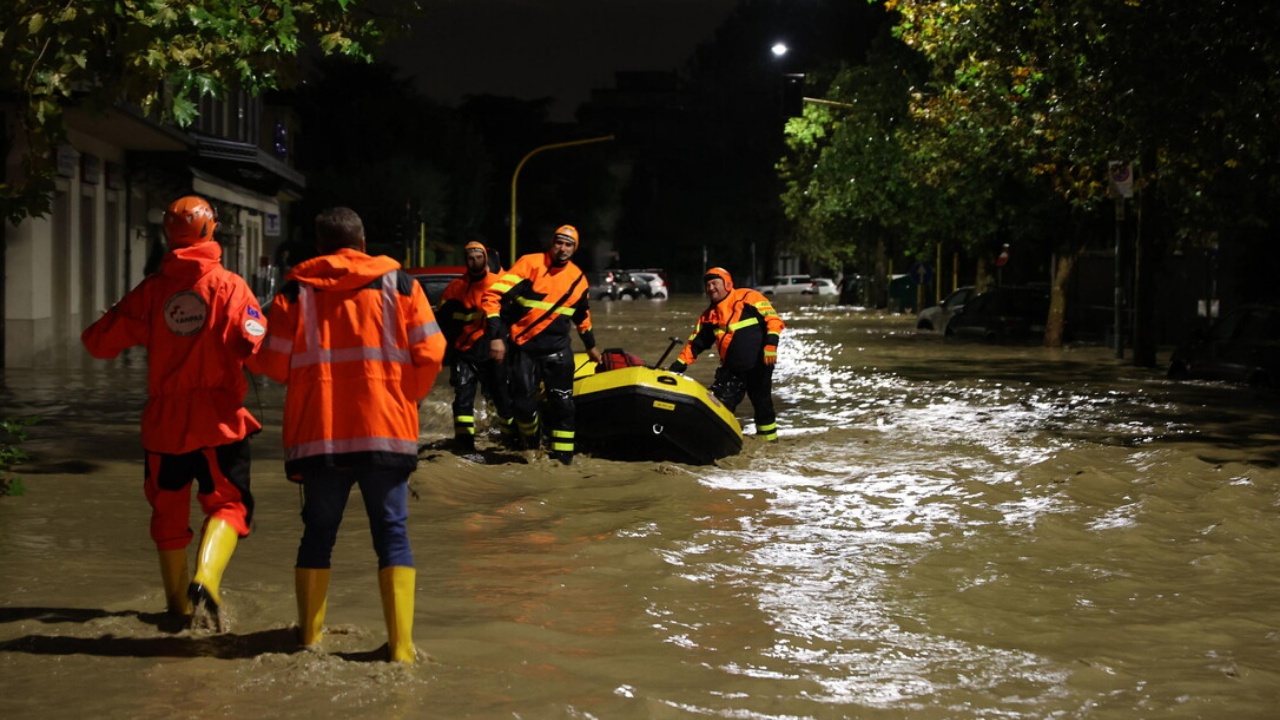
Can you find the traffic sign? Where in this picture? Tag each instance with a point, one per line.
(922, 273)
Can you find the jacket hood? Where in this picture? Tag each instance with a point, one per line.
(192, 261)
(722, 274)
(345, 269)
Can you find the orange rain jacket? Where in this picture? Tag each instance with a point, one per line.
(199, 323)
(461, 311)
(538, 303)
(356, 342)
(742, 327)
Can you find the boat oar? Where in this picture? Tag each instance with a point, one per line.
(674, 340)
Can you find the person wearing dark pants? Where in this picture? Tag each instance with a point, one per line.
(531, 309)
(465, 326)
(744, 329)
(358, 346)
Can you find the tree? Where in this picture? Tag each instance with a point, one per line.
(1048, 93)
(159, 56)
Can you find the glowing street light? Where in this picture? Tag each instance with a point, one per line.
(779, 49)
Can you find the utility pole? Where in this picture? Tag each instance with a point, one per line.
(516, 176)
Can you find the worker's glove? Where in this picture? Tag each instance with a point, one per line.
(678, 367)
(770, 354)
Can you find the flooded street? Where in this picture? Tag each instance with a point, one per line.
(945, 531)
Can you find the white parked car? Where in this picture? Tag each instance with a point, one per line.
(651, 285)
(822, 287)
(786, 285)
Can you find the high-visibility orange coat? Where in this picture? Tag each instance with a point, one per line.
(356, 342)
(538, 303)
(199, 323)
(742, 327)
(461, 310)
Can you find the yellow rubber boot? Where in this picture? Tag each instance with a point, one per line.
(312, 587)
(173, 572)
(216, 547)
(397, 585)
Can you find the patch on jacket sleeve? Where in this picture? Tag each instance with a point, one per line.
(185, 313)
(254, 328)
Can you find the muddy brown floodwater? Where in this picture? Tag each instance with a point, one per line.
(945, 531)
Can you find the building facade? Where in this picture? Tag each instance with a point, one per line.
(116, 173)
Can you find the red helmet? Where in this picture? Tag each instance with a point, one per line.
(189, 220)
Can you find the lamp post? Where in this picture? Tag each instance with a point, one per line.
(516, 175)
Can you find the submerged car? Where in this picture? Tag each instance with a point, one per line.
(650, 284)
(785, 285)
(1241, 346)
(1001, 315)
(935, 318)
(615, 285)
(822, 287)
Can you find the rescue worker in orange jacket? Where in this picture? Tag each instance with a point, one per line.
(465, 326)
(199, 323)
(533, 306)
(356, 342)
(744, 329)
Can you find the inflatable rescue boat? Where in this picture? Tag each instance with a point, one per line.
(626, 411)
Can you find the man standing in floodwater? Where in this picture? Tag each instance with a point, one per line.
(531, 310)
(463, 321)
(744, 329)
(199, 323)
(354, 339)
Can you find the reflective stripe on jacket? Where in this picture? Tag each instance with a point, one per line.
(538, 303)
(199, 323)
(739, 327)
(461, 311)
(358, 346)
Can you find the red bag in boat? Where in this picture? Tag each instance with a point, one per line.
(615, 358)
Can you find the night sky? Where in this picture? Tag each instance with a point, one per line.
(558, 48)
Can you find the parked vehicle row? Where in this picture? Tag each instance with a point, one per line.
(786, 285)
(997, 315)
(617, 284)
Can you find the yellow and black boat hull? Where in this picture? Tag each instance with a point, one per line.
(641, 413)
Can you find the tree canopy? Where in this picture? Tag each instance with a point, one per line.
(989, 117)
(160, 57)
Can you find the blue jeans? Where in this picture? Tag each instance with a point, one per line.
(386, 502)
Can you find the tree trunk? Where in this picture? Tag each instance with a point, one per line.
(1055, 324)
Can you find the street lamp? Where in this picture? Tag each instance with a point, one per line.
(516, 175)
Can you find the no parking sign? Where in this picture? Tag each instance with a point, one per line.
(1121, 176)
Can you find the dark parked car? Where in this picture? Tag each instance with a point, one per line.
(1002, 314)
(1241, 346)
(936, 318)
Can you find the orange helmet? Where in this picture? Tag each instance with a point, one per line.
(722, 274)
(569, 232)
(189, 220)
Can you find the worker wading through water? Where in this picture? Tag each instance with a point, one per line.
(199, 323)
(744, 329)
(355, 341)
(470, 357)
(533, 306)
